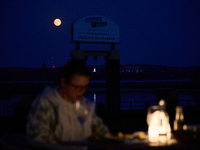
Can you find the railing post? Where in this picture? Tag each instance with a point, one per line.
(131, 105)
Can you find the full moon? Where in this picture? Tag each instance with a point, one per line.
(57, 22)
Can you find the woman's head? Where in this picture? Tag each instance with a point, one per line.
(74, 79)
(74, 67)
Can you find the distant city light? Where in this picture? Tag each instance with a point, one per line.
(94, 70)
(53, 66)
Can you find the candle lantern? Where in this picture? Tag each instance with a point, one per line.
(158, 123)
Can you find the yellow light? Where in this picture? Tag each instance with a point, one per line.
(153, 127)
(57, 22)
(161, 102)
(158, 126)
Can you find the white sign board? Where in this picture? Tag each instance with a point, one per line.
(95, 29)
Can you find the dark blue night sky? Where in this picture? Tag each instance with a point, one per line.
(161, 32)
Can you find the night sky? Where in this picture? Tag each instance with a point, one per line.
(161, 32)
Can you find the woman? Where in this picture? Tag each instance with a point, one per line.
(62, 113)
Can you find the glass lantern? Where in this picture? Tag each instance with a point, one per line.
(158, 123)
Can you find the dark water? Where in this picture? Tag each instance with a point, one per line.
(130, 98)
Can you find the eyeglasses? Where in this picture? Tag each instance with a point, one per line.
(78, 88)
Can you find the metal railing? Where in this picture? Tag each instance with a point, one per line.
(6, 105)
(131, 105)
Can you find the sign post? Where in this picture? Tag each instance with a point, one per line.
(100, 30)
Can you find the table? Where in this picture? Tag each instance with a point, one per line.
(114, 145)
(18, 141)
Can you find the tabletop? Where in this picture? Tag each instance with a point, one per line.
(112, 145)
(19, 141)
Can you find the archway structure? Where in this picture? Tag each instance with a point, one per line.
(100, 30)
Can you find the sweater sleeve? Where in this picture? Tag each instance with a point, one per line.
(41, 121)
(99, 129)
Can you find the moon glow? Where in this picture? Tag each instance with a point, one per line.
(57, 22)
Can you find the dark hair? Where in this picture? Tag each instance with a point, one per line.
(74, 67)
